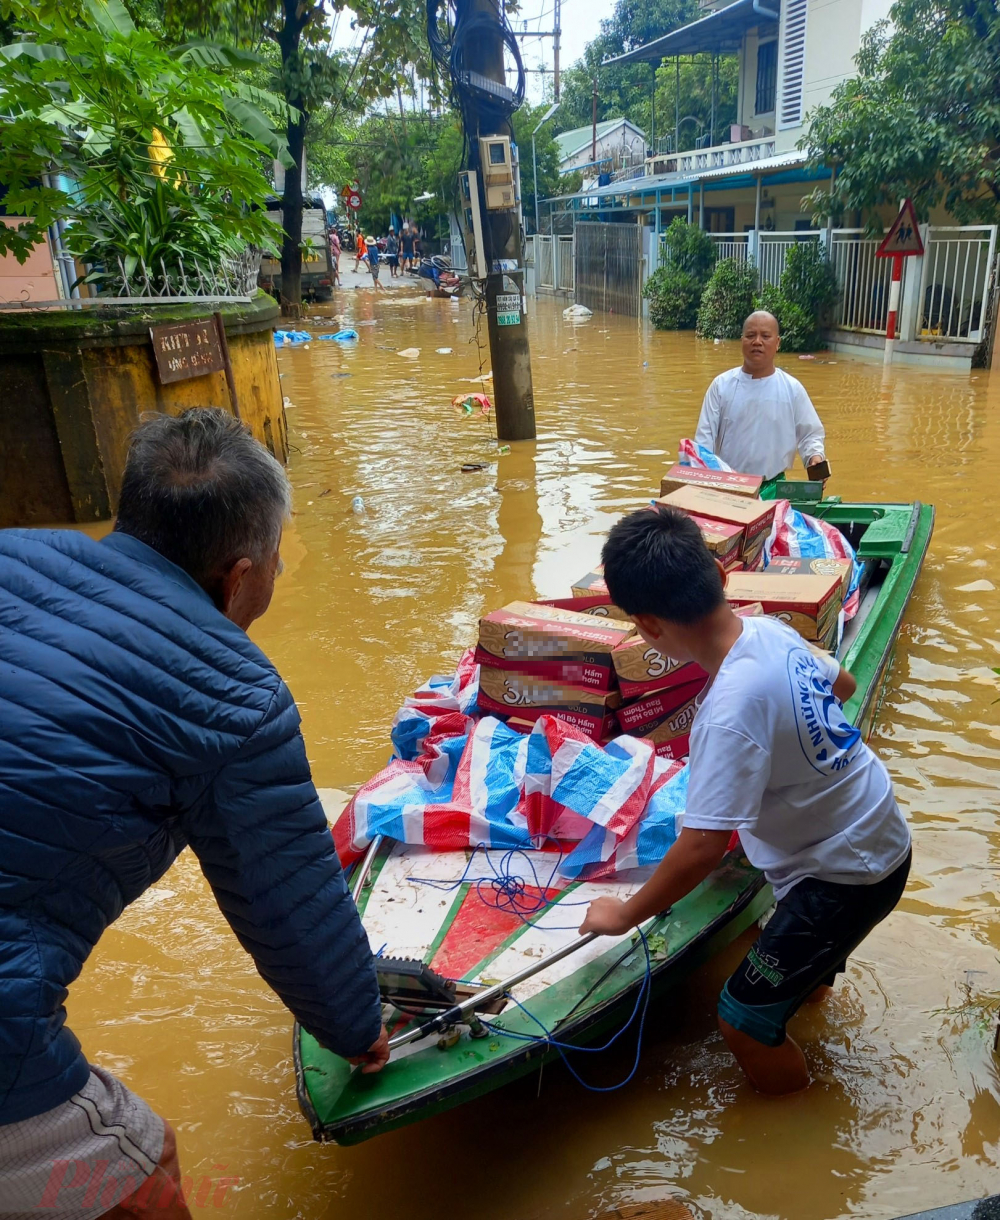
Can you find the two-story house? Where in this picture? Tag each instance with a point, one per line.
(746, 184)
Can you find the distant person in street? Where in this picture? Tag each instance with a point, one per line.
(392, 253)
(774, 758)
(406, 246)
(360, 252)
(335, 254)
(371, 245)
(140, 719)
(756, 417)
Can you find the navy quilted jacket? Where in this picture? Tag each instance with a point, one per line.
(135, 719)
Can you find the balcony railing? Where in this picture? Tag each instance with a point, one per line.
(719, 156)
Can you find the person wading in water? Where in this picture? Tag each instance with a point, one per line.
(139, 719)
(756, 417)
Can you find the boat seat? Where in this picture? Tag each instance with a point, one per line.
(884, 538)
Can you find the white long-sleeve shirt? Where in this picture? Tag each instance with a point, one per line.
(756, 424)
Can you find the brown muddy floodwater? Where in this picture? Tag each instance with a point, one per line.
(905, 1111)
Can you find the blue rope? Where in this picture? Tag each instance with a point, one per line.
(507, 888)
(547, 1037)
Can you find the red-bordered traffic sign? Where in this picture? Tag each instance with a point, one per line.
(903, 238)
(353, 200)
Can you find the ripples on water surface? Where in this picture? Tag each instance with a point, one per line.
(904, 1113)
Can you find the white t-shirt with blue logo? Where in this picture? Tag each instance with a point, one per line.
(773, 756)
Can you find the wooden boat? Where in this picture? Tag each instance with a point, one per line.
(423, 905)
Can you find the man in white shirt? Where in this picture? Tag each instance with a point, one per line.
(774, 758)
(755, 417)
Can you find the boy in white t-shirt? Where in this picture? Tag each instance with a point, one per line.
(773, 757)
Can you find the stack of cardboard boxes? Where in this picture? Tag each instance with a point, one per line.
(580, 658)
(536, 660)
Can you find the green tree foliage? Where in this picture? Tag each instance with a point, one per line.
(151, 151)
(310, 76)
(727, 299)
(627, 90)
(674, 291)
(805, 299)
(920, 119)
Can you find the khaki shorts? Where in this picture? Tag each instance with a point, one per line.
(80, 1159)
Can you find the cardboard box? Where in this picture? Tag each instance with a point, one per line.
(755, 516)
(809, 604)
(790, 566)
(722, 480)
(725, 541)
(643, 671)
(601, 606)
(525, 697)
(548, 642)
(591, 585)
(664, 719)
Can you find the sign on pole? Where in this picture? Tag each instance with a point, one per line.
(903, 237)
(902, 241)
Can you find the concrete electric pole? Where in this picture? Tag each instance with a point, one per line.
(513, 396)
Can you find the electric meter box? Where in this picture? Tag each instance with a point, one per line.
(471, 224)
(497, 167)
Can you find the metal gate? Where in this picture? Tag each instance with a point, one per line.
(608, 267)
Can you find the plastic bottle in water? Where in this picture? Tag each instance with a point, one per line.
(358, 506)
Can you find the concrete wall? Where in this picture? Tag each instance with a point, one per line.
(72, 389)
(35, 280)
(746, 115)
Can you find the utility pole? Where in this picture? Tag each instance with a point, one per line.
(556, 31)
(593, 143)
(513, 395)
(556, 35)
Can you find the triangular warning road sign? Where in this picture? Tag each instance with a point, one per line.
(904, 236)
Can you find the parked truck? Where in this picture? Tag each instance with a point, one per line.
(317, 264)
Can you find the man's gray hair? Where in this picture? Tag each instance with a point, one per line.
(202, 492)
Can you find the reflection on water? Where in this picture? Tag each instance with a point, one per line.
(904, 1113)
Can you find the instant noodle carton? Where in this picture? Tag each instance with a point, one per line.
(824, 566)
(568, 648)
(664, 719)
(809, 604)
(600, 605)
(642, 670)
(723, 540)
(755, 517)
(524, 697)
(591, 585)
(721, 480)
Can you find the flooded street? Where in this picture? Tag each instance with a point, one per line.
(905, 1110)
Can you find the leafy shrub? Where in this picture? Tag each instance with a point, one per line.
(674, 291)
(810, 281)
(799, 332)
(727, 299)
(674, 296)
(689, 249)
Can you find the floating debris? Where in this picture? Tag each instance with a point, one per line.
(411, 353)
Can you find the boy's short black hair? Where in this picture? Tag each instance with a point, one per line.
(656, 562)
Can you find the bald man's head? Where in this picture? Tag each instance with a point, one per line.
(762, 314)
(761, 340)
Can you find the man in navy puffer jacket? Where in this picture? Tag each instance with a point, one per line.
(137, 719)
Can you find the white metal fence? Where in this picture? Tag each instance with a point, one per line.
(864, 281)
(773, 250)
(727, 245)
(955, 282)
(554, 262)
(545, 263)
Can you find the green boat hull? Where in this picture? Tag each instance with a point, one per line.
(347, 1107)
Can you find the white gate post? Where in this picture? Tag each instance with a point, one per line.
(909, 306)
